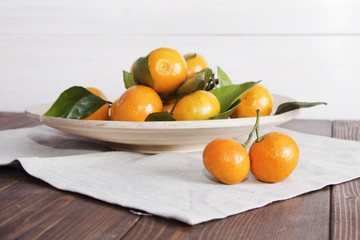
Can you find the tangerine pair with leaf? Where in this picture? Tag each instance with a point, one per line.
(271, 158)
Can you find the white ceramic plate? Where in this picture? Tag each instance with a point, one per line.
(155, 137)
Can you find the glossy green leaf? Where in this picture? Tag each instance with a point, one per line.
(224, 79)
(160, 116)
(227, 95)
(227, 114)
(75, 103)
(197, 82)
(142, 72)
(210, 80)
(289, 106)
(129, 79)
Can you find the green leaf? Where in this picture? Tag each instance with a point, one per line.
(159, 116)
(129, 79)
(227, 114)
(75, 103)
(197, 82)
(289, 106)
(224, 79)
(227, 95)
(142, 72)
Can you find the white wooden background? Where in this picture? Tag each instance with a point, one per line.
(305, 49)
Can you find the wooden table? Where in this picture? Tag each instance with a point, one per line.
(31, 209)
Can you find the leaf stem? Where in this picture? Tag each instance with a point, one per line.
(172, 109)
(258, 137)
(190, 57)
(255, 128)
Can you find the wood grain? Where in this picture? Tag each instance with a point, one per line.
(32, 209)
(349, 130)
(345, 198)
(323, 127)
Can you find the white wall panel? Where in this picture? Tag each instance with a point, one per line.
(307, 68)
(183, 17)
(308, 50)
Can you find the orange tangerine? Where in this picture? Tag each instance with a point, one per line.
(199, 105)
(274, 157)
(195, 63)
(227, 160)
(135, 104)
(164, 70)
(257, 97)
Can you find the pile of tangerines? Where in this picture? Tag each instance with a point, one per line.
(271, 158)
(158, 76)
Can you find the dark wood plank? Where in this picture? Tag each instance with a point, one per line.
(349, 130)
(32, 209)
(303, 217)
(6, 183)
(318, 127)
(345, 198)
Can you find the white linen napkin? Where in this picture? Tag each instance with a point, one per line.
(176, 185)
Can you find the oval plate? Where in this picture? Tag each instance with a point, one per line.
(156, 137)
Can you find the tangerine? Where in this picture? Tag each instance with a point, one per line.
(227, 160)
(132, 67)
(199, 105)
(195, 63)
(168, 105)
(273, 157)
(257, 97)
(103, 112)
(135, 104)
(164, 70)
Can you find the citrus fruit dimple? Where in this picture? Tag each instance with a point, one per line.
(227, 160)
(135, 104)
(199, 105)
(257, 97)
(274, 158)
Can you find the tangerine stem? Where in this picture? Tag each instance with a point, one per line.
(190, 57)
(258, 138)
(255, 128)
(172, 109)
